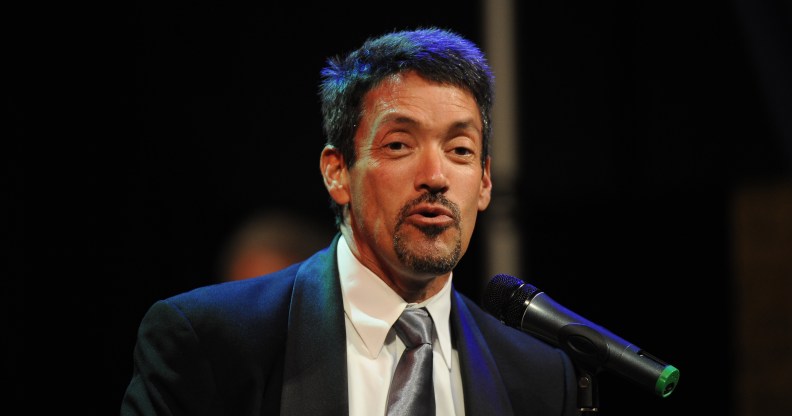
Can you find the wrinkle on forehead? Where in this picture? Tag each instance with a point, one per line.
(392, 100)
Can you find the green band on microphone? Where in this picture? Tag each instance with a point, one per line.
(667, 381)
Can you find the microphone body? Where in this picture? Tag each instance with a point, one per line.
(523, 306)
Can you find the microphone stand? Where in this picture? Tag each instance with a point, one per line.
(588, 392)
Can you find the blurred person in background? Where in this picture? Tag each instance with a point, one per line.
(269, 241)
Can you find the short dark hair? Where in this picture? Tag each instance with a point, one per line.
(439, 55)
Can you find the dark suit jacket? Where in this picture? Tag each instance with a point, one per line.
(276, 345)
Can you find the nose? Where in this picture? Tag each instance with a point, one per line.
(431, 175)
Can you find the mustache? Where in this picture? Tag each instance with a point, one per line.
(430, 198)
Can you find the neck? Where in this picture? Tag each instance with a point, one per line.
(420, 292)
(413, 287)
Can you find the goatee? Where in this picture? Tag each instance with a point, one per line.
(432, 262)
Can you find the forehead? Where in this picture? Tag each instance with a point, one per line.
(410, 92)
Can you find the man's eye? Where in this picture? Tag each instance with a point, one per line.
(395, 146)
(462, 151)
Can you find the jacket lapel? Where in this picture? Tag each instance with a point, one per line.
(483, 389)
(315, 380)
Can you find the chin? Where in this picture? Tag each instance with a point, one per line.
(429, 254)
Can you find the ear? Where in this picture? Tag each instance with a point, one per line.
(335, 174)
(485, 190)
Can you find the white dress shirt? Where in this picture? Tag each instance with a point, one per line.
(373, 349)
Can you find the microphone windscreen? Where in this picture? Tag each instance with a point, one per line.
(505, 296)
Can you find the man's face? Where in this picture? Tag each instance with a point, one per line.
(418, 184)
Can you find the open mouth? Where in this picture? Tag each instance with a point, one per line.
(430, 216)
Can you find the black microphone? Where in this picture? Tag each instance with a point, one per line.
(522, 306)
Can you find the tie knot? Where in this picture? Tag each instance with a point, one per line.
(414, 327)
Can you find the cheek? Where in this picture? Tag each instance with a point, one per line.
(471, 206)
(374, 198)
(469, 216)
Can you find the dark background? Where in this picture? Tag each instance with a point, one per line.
(144, 140)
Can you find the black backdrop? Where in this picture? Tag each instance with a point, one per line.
(638, 122)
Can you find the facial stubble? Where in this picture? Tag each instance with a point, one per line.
(432, 262)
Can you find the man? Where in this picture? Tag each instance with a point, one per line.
(407, 167)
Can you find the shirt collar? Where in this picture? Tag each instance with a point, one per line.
(373, 307)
